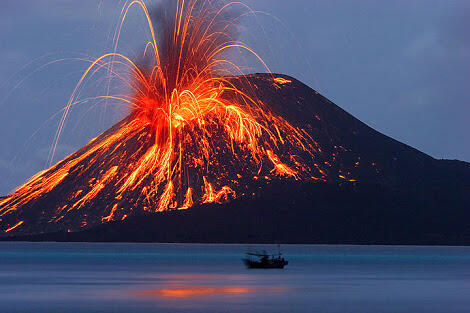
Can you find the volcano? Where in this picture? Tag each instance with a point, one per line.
(355, 173)
(201, 136)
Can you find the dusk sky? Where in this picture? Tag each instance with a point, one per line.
(402, 67)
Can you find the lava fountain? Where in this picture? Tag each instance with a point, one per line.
(192, 136)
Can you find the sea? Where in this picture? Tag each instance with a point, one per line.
(128, 277)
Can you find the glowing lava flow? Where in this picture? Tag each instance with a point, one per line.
(190, 127)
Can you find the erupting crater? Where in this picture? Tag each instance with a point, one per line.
(196, 133)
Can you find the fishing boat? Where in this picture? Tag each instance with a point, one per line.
(264, 260)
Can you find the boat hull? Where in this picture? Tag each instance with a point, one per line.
(279, 264)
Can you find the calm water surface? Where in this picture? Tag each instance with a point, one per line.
(84, 277)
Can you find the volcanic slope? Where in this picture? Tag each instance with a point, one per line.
(346, 152)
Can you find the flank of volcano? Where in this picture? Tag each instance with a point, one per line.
(195, 133)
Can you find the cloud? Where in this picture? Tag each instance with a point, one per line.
(13, 174)
(425, 44)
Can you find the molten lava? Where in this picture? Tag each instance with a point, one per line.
(191, 135)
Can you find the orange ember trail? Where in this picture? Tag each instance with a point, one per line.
(14, 226)
(189, 122)
(282, 81)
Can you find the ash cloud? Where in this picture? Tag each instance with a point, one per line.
(163, 17)
(206, 14)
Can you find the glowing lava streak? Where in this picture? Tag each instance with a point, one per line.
(14, 226)
(187, 115)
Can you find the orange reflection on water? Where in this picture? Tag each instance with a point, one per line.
(193, 291)
(184, 292)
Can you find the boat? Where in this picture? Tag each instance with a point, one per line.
(264, 260)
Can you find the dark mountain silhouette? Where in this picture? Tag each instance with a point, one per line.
(375, 190)
(312, 213)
